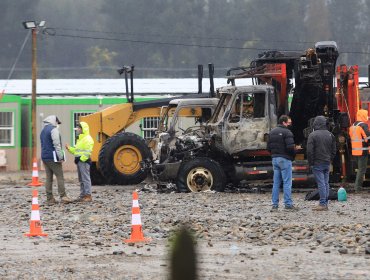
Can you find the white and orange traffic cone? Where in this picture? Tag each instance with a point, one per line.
(35, 175)
(136, 227)
(35, 222)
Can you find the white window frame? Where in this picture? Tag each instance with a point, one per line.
(9, 128)
(149, 125)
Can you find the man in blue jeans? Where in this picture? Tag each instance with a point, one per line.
(282, 149)
(321, 149)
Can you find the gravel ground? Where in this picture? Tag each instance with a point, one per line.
(237, 236)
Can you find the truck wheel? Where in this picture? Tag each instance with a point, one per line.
(120, 157)
(97, 179)
(201, 174)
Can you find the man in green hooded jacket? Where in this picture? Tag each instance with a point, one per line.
(82, 152)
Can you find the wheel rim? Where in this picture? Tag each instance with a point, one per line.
(127, 159)
(199, 179)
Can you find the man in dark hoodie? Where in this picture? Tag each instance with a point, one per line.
(52, 156)
(321, 149)
(282, 149)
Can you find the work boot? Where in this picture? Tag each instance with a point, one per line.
(78, 199)
(274, 208)
(87, 198)
(66, 199)
(320, 208)
(51, 201)
(291, 208)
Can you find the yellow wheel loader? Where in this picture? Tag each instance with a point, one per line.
(117, 154)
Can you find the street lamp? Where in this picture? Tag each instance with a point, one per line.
(33, 25)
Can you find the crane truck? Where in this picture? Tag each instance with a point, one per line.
(232, 146)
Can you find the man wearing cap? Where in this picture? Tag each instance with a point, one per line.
(82, 152)
(52, 156)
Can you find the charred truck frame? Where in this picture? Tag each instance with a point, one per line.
(232, 148)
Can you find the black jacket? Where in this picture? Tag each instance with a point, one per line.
(321, 146)
(281, 143)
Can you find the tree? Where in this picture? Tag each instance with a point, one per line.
(317, 22)
(100, 58)
(174, 36)
(348, 28)
(13, 14)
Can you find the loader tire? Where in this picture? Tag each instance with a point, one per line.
(201, 174)
(120, 157)
(97, 179)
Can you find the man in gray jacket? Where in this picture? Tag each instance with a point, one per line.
(52, 156)
(321, 149)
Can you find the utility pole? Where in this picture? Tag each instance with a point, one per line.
(34, 28)
(33, 99)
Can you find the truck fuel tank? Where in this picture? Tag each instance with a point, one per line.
(263, 170)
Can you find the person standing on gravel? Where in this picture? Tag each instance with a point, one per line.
(359, 133)
(52, 156)
(82, 152)
(321, 149)
(282, 149)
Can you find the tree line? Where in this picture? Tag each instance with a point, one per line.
(169, 38)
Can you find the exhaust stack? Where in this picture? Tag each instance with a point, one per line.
(211, 70)
(200, 78)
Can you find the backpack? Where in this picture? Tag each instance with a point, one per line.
(314, 195)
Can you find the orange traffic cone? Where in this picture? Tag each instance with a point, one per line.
(35, 175)
(35, 222)
(136, 227)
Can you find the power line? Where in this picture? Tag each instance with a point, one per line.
(181, 37)
(16, 60)
(221, 37)
(53, 32)
(157, 42)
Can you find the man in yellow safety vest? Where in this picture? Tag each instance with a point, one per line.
(82, 152)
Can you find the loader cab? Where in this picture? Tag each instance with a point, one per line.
(244, 117)
(184, 113)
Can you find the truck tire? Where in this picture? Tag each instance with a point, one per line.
(97, 179)
(120, 157)
(201, 174)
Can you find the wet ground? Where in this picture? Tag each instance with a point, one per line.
(237, 235)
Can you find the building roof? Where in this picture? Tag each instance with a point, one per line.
(106, 86)
(114, 87)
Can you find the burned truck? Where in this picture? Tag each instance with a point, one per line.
(218, 153)
(182, 122)
(232, 146)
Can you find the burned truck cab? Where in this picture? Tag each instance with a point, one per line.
(243, 119)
